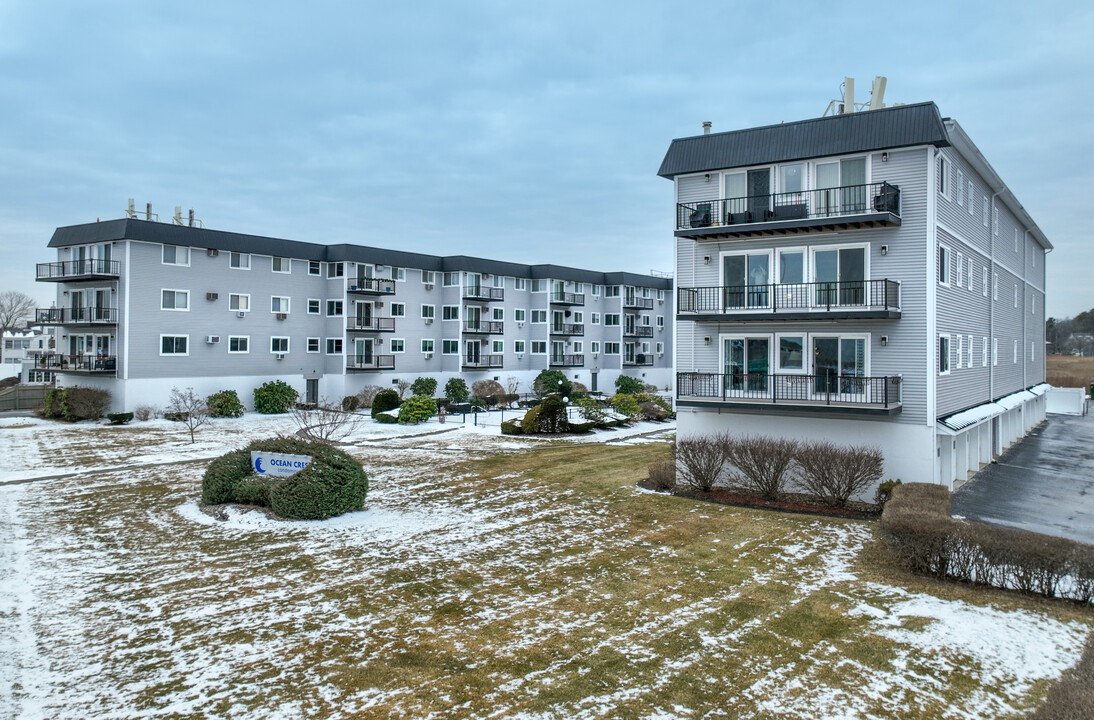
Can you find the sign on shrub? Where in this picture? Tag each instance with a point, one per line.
(278, 464)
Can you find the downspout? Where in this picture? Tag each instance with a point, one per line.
(1025, 291)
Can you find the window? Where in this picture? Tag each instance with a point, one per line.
(594, 347)
(334, 346)
(960, 187)
(791, 353)
(579, 287)
(539, 285)
(498, 314)
(645, 347)
(943, 354)
(579, 347)
(239, 344)
(398, 274)
(960, 350)
(943, 176)
(539, 316)
(969, 364)
(279, 304)
(334, 308)
(985, 279)
(518, 346)
(594, 318)
(520, 284)
(969, 194)
(660, 348)
(499, 281)
(398, 310)
(943, 265)
(984, 214)
(611, 291)
(428, 312)
(313, 306)
(611, 319)
(239, 261)
(995, 351)
(984, 353)
(427, 345)
(175, 299)
(314, 267)
(282, 265)
(450, 347)
(596, 291)
(398, 345)
(176, 255)
(995, 286)
(497, 347)
(660, 322)
(518, 314)
(239, 303)
(428, 277)
(1015, 296)
(539, 347)
(1015, 239)
(611, 348)
(174, 344)
(450, 312)
(313, 345)
(451, 279)
(336, 270)
(995, 221)
(960, 269)
(660, 294)
(279, 344)
(645, 321)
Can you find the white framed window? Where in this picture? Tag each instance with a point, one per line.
(1015, 239)
(660, 347)
(313, 344)
(995, 286)
(174, 344)
(985, 279)
(240, 302)
(645, 347)
(969, 195)
(994, 351)
(661, 294)
(451, 279)
(450, 312)
(611, 348)
(960, 351)
(315, 267)
(175, 300)
(1015, 296)
(960, 269)
(314, 305)
(984, 213)
(995, 221)
(943, 354)
(519, 314)
(790, 352)
(239, 344)
(176, 255)
(334, 308)
(538, 286)
(611, 291)
(969, 363)
(281, 265)
(645, 320)
(611, 319)
(646, 292)
(279, 344)
(960, 187)
(279, 304)
(594, 347)
(428, 277)
(594, 318)
(498, 314)
(943, 175)
(450, 347)
(1015, 361)
(943, 265)
(398, 274)
(520, 284)
(539, 347)
(239, 261)
(579, 347)
(398, 310)
(518, 346)
(398, 345)
(497, 346)
(579, 317)
(429, 312)
(499, 281)
(334, 346)
(427, 345)
(596, 291)
(336, 270)
(984, 352)
(539, 316)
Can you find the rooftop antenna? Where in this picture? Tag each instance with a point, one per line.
(877, 93)
(847, 105)
(130, 211)
(177, 219)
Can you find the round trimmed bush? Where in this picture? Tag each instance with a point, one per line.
(350, 403)
(627, 385)
(424, 386)
(548, 417)
(224, 404)
(551, 381)
(334, 483)
(625, 404)
(416, 409)
(456, 390)
(385, 400)
(274, 397)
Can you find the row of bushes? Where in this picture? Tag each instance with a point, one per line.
(74, 403)
(768, 466)
(917, 527)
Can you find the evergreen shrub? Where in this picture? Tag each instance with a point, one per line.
(456, 390)
(628, 385)
(424, 386)
(385, 400)
(417, 409)
(224, 404)
(274, 397)
(119, 418)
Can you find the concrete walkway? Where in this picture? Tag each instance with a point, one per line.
(1045, 483)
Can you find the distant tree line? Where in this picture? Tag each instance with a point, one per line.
(1071, 336)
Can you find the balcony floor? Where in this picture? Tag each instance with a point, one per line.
(791, 227)
(802, 408)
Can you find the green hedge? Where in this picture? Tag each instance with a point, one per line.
(75, 403)
(424, 386)
(417, 409)
(334, 483)
(511, 427)
(385, 400)
(224, 404)
(274, 397)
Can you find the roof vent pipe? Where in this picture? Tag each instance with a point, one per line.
(706, 127)
(148, 211)
(191, 217)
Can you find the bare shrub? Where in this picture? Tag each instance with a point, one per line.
(700, 460)
(367, 394)
(325, 422)
(402, 385)
(489, 390)
(835, 473)
(512, 385)
(85, 403)
(188, 408)
(764, 463)
(146, 412)
(663, 474)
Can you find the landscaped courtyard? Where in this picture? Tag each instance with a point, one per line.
(488, 577)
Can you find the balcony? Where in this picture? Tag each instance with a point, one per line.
(76, 270)
(847, 207)
(481, 293)
(791, 394)
(567, 361)
(481, 361)
(84, 364)
(638, 303)
(567, 329)
(638, 360)
(484, 327)
(85, 316)
(371, 286)
(639, 331)
(368, 363)
(565, 298)
(370, 324)
(847, 300)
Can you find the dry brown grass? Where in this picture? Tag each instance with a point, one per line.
(1069, 371)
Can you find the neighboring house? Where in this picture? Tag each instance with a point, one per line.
(19, 352)
(144, 306)
(865, 278)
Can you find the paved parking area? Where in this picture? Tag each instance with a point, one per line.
(1045, 483)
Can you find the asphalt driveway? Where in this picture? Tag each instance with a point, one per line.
(1045, 483)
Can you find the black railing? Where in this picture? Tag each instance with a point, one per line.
(78, 268)
(484, 327)
(638, 359)
(370, 362)
(848, 294)
(567, 329)
(567, 360)
(482, 292)
(76, 316)
(371, 286)
(370, 324)
(482, 361)
(638, 331)
(807, 204)
(76, 363)
(826, 389)
(567, 298)
(638, 302)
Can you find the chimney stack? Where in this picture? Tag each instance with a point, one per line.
(706, 127)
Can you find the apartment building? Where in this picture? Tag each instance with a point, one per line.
(144, 306)
(19, 351)
(862, 278)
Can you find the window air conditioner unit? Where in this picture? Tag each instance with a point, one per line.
(241, 313)
(281, 316)
(483, 341)
(520, 324)
(212, 339)
(212, 252)
(280, 356)
(211, 296)
(429, 286)
(429, 321)
(486, 275)
(428, 356)
(379, 303)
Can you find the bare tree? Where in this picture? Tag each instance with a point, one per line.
(326, 422)
(189, 409)
(403, 385)
(512, 385)
(15, 310)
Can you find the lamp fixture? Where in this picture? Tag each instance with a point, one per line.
(706, 340)
(884, 249)
(706, 259)
(884, 157)
(884, 340)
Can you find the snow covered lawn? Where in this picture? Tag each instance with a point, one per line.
(488, 577)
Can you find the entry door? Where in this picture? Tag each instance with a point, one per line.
(746, 279)
(363, 351)
(840, 276)
(472, 347)
(474, 316)
(746, 364)
(759, 193)
(364, 314)
(311, 391)
(558, 319)
(839, 364)
(558, 351)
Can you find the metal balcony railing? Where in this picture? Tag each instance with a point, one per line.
(370, 362)
(77, 316)
(567, 298)
(482, 361)
(77, 269)
(484, 293)
(567, 329)
(826, 389)
(819, 296)
(371, 286)
(807, 204)
(638, 331)
(370, 324)
(567, 360)
(76, 363)
(639, 303)
(484, 327)
(638, 359)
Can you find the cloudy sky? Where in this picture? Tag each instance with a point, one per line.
(529, 132)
